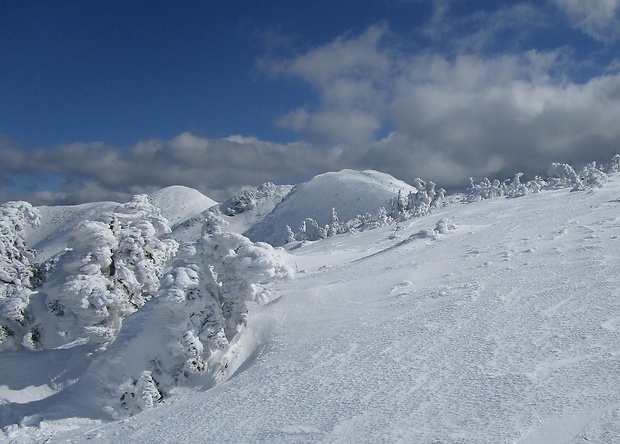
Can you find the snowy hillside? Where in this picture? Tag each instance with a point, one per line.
(490, 321)
(57, 225)
(241, 211)
(349, 192)
(244, 210)
(177, 204)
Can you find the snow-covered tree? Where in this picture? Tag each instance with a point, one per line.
(562, 175)
(591, 176)
(17, 273)
(15, 253)
(311, 231)
(289, 236)
(614, 165)
(112, 267)
(201, 309)
(335, 226)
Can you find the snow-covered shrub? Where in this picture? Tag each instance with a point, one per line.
(335, 226)
(17, 275)
(15, 254)
(614, 165)
(508, 188)
(422, 202)
(311, 231)
(425, 199)
(591, 176)
(140, 394)
(185, 332)
(239, 267)
(110, 270)
(562, 175)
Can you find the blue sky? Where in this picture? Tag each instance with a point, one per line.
(104, 99)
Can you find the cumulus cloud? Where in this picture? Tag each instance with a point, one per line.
(349, 75)
(453, 116)
(600, 19)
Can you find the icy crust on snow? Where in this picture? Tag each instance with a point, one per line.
(179, 203)
(350, 192)
(496, 321)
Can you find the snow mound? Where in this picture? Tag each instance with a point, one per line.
(349, 192)
(178, 203)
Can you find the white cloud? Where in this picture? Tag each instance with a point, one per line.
(96, 171)
(451, 117)
(600, 19)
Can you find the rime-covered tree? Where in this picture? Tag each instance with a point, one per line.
(112, 267)
(17, 273)
(201, 309)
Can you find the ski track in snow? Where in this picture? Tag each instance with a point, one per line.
(503, 330)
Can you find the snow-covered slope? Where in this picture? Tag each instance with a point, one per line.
(504, 329)
(179, 203)
(58, 224)
(244, 210)
(349, 192)
(241, 211)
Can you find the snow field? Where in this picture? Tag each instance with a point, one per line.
(504, 329)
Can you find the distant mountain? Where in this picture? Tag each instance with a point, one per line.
(179, 203)
(349, 192)
(245, 209)
(241, 211)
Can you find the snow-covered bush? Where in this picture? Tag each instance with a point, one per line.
(15, 253)
(559, 175)
(17, 273)
(443, 226)
(562, 175)
(310, 230)
(614, 165)
(140, 394)
(508, 188)
(185, 332)
(110, 270)
(591, 176)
